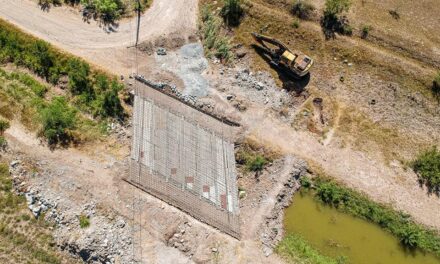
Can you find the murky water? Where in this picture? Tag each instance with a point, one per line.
(338, 234)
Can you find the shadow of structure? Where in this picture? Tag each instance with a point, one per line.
(291, 82)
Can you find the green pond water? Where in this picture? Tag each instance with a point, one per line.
(335, 234)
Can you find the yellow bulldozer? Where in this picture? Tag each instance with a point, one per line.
(295, 63)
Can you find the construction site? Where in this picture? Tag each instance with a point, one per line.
(186, 158)
(199, 131)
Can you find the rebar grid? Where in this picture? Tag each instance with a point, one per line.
(185, 158)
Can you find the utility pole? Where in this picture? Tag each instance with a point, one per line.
(138, 8)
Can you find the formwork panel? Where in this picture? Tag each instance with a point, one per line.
(177, 157)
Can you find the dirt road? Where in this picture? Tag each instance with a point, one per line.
(64, 27)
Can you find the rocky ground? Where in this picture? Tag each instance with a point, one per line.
(107, 240)
(64, 185)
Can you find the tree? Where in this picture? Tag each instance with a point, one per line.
(57, 119)
(232, 12)
(110, 103)
(333, 20)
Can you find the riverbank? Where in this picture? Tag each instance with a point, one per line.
(401, 225)
(341, 236)
(327, 221)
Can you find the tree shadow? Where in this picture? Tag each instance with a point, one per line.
(332, 24)
(430, 189)
(291, 82)
(408, 250)
(46, 5)
(108, 25)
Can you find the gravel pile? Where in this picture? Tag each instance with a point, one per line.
(188, 63)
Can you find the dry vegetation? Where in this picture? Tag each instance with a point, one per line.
(252, 155)
(360, 132)
(23, 239)
(374, 63)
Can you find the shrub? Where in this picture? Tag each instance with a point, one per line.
(410, 236)
(256, 163)
(223, 49)
(84, 221)
(58, 118)
(213, 40)
(4, 124)
(254, 156)
(295, 24)
(107, 103)
(346, 30)
(232, 12)
(331, 194)
(302, 9)
(3, 143)
(78, 72)
(365, 31)
(39, 58)
(333, 21)
(394, 13)
(427, 167)
(336, 7)
(306, 182)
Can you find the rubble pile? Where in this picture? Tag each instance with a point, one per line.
(107, 240)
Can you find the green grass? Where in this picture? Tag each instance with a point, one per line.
(427, 167)
(93, 90)
(30, 102)
(253, 156)
(84, 221)
(3, 143)
(401, 225)
(256, 162)
(297, 250)
(215, 42)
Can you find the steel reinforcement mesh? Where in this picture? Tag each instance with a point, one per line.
(185, 158)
